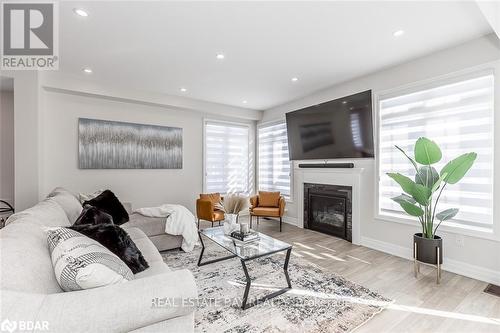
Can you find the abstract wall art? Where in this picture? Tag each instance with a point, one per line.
(106, 144)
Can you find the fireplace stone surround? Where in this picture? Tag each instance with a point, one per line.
(340, 177)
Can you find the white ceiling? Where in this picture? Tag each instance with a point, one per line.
(162, 46)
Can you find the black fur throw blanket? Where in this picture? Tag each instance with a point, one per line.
(92, 215)
(117, 241)
(109, 203)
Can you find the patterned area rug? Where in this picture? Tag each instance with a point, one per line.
(318, 301)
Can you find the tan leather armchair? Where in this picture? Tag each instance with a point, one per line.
(206, 208)
(267, 204)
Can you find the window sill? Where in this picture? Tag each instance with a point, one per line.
(450, 227)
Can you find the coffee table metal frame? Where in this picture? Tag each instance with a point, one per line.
(245, 304)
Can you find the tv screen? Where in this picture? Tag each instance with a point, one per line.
(341, 128)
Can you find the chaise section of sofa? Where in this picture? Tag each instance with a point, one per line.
(154, 228)
(30, 292)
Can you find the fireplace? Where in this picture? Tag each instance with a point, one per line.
(328, 209)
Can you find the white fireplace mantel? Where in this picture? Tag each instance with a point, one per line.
(345, 177)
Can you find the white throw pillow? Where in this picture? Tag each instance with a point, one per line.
(82, 263)
(89, 196)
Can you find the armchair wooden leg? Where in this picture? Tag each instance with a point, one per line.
(258, 220)
(280, 223)
(198, 223)
(251, 221)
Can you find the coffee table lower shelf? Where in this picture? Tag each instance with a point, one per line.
(245, 304)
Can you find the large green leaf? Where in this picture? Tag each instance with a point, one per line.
(438, 182)
(427, 152)
(404, 198)
(427, 176)
(405, 182)
(421, 194)
(457, 168)
(447, 214)
(408, 157)
(411, 209)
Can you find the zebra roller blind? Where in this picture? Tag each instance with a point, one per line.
(226, 158)
(274, 163)
(458, 116)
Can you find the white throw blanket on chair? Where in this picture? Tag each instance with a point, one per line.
(180, 221)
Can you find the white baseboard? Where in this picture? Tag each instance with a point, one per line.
(449, 265)
(290, 220)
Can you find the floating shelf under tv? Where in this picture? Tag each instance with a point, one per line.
(327, 165)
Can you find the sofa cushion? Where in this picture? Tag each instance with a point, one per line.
(47, 212)
(269, 199)
(166, 241)
(82, 263)
(215, 198)
(25, 263)
(158, 267)
(151, 226)
(68, 202)
(117, 241)
(109, 203)
(266, 211)
(148, 250)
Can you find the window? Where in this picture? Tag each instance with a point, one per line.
(458, 116)
(226, 158)
(274, 163)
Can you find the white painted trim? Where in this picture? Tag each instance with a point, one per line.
(449, 265)
(291, 220)
(457, 229)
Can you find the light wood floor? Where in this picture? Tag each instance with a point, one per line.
(458, 304)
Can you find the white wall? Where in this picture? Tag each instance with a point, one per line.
(59, 132)
(26, 137)
(478, 257)
(7, 146)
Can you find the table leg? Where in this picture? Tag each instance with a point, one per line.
(244, 304)
(210, 261)
(247, 287)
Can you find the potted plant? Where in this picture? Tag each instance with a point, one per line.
(418, 198)
(232, 206)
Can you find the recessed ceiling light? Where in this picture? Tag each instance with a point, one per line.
(344, 102)
(80, 12)
(398, 33)
(220, 56)
(87, 70)
(295, 79)
(245, 102)
(183, 89)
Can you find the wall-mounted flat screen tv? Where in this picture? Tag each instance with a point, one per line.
(341, 128)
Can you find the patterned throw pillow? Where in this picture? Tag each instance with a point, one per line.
(82, 263)
(89, 196)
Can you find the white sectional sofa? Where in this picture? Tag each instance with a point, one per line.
(30, 292)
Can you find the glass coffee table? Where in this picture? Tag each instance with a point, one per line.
(264, 246)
